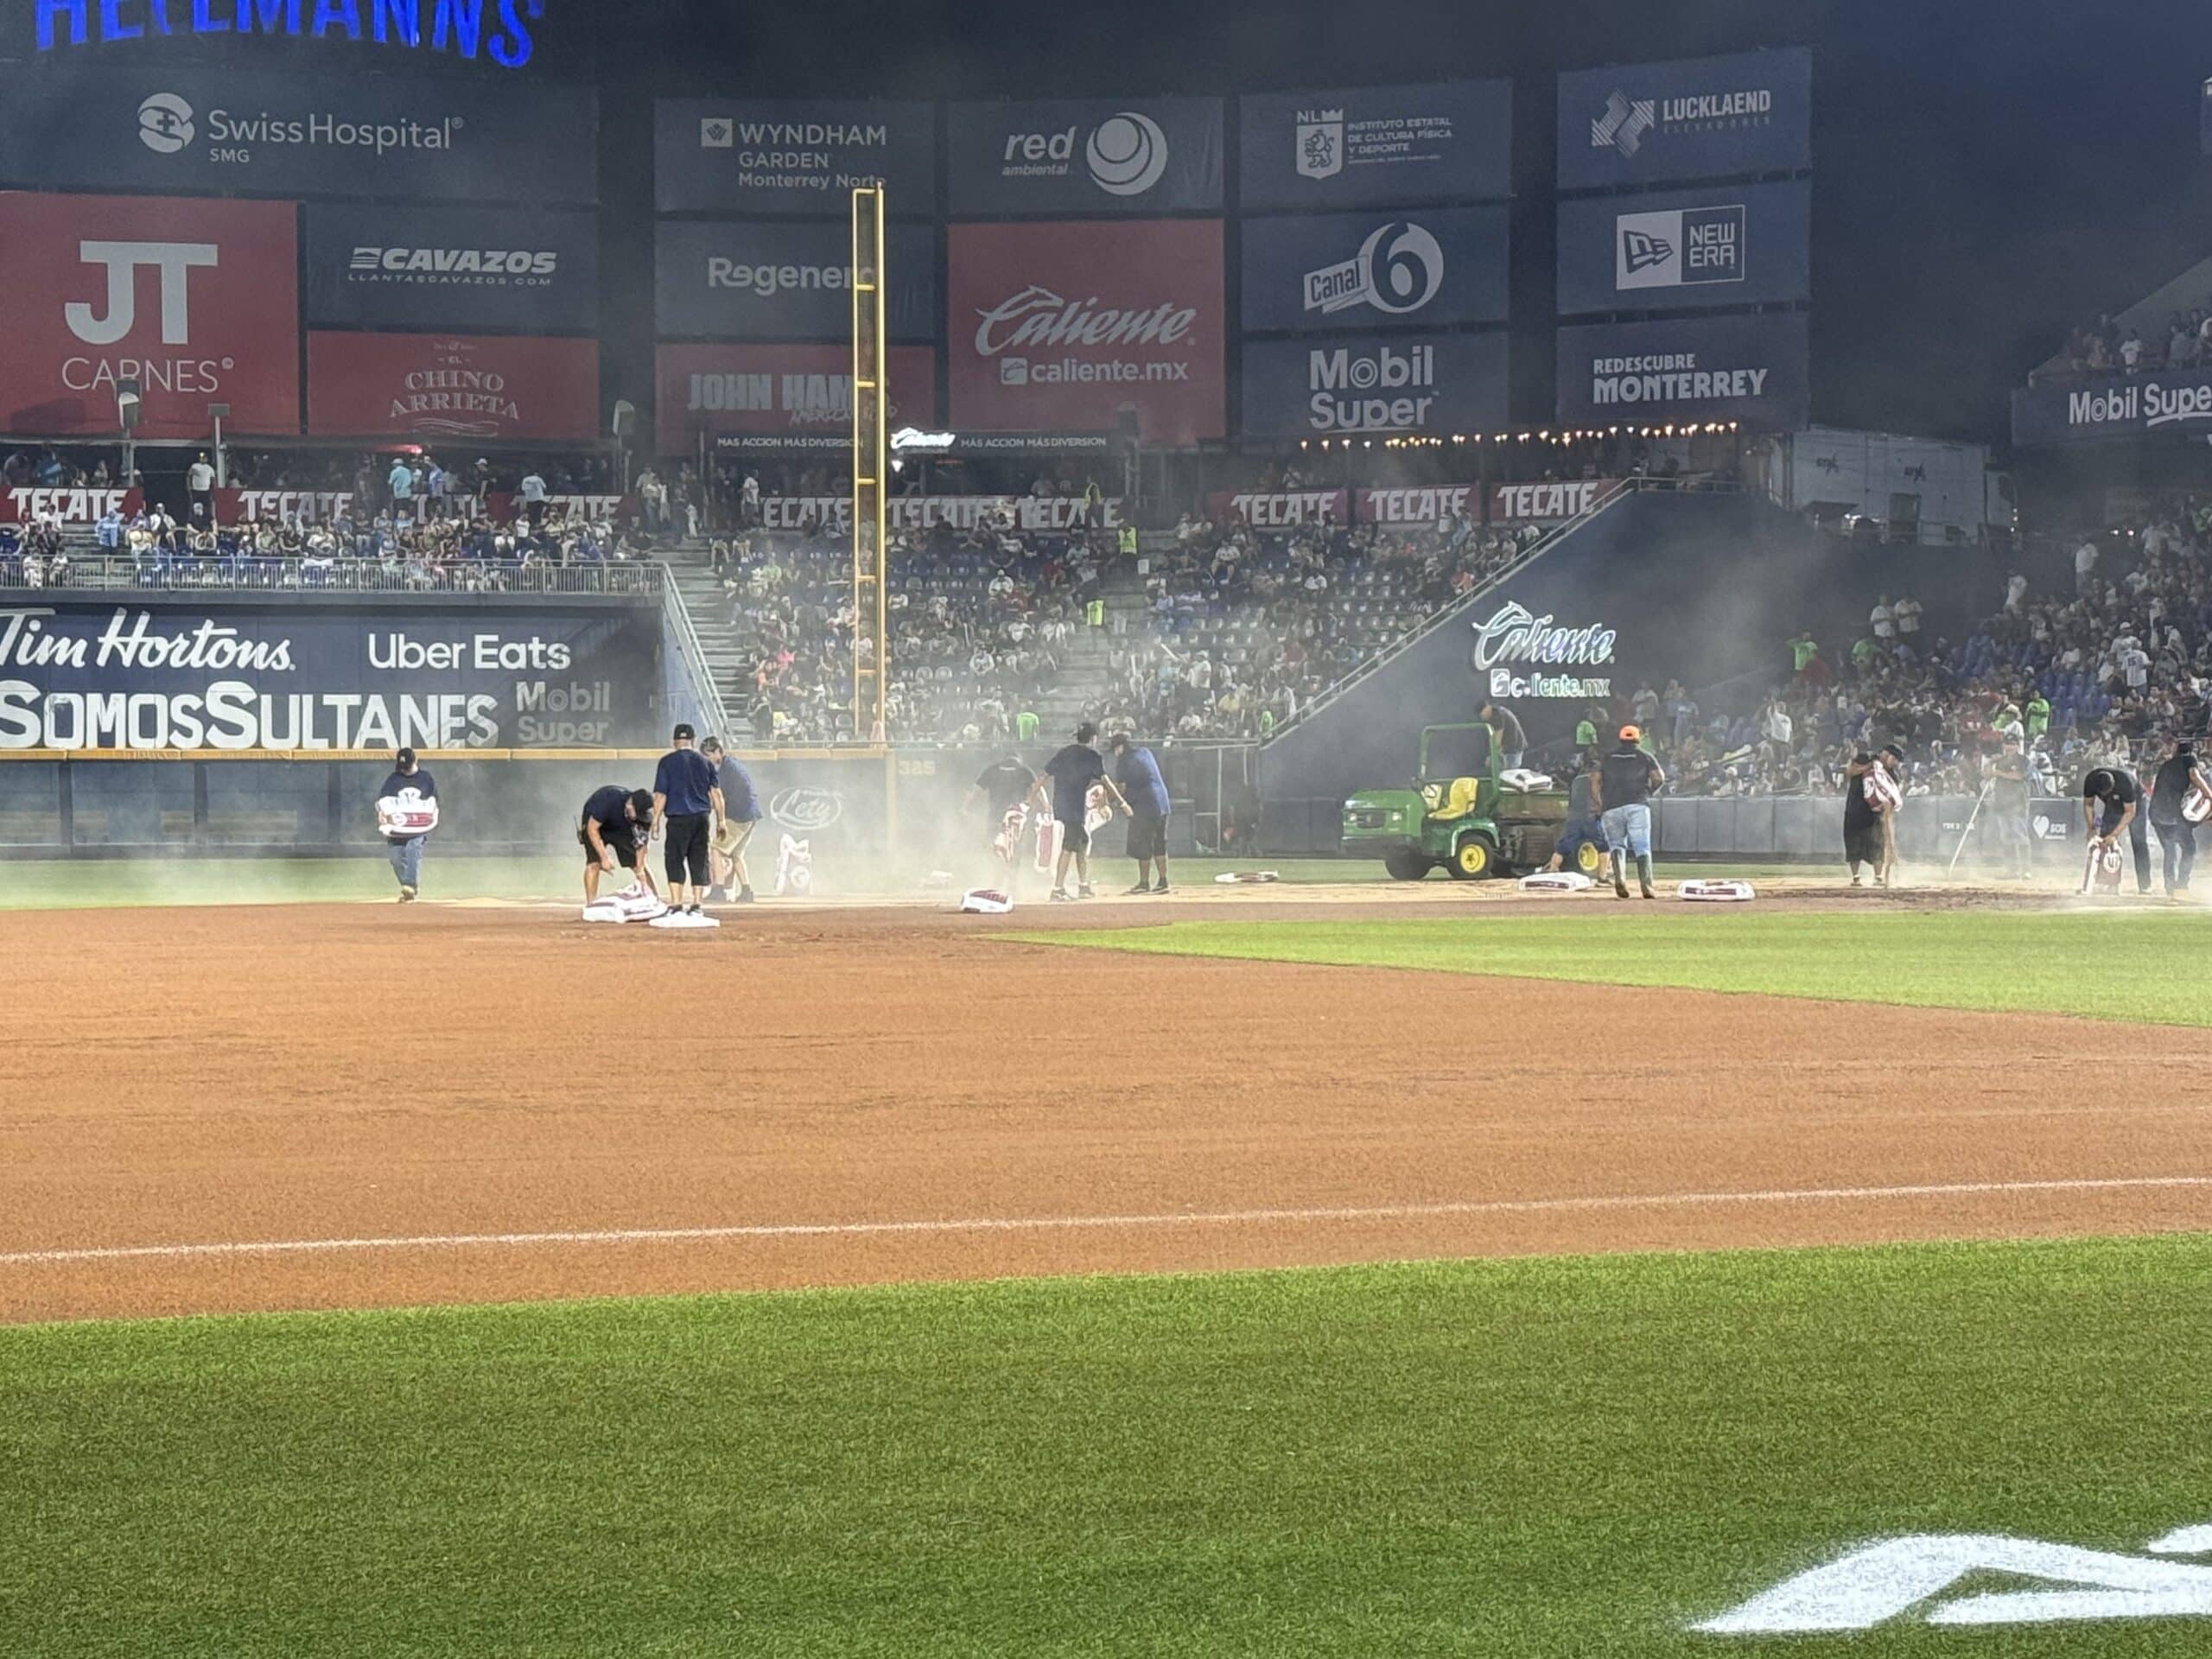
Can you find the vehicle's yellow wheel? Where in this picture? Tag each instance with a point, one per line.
(1471, 861)
(1588, 859)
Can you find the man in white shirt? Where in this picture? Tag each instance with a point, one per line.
(533, 498)
(1907, 611)
(2085, 566)
(1881, 618)
(199, 480)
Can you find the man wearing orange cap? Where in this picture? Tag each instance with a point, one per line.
(1624, 784)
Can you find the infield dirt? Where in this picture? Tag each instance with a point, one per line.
(923, 1101)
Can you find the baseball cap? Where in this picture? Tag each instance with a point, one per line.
(1630, 735)
(641, 805)
(684, 734)
(1085, 731)
(406, 759)
(1892, 748)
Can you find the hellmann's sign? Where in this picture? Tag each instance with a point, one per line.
(1514, 646)
(498, 31)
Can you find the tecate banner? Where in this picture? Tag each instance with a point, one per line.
(1374, 386)
(197, 302)
(798, 396)
(1718, 245)
(1549, 501)
(784, 279)
(786, 155)
(1087, 155)
(466, 387)
(1750, 369)
(235, 132)
(1282, 510)
(78, 506)
(1367, 146)
(416, 267)
(1693, 118)
(1056, 327)
(156, 676)
(1437, 266)
(2179, 400)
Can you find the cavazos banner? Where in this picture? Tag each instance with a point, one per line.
(240, 132)
(790, 397)
(1747, 369)
(1716, 245)
(157, 675)
(2161, 400)
(1378, 385)
(196, 301)
(1087, 155)
(784, 279)
(1056, 327)
(1438, 266)
(430, 267)
(787, 156)
(1692, 118)
(1366, 146)
(472, 388)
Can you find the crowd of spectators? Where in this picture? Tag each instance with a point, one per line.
(2109, 347)
(2107, 671)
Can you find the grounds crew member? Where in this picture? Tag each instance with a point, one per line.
(2008, 810)
(1512, 741)
(2111, 801)
(688, 805)
(1862, 824)
(1623, 797)
(741, 812)
(2177, 835)
(1136, 775)
(406, 851)
(1071, 774)
(616, 824)
(1004, 788)
(1581, 828)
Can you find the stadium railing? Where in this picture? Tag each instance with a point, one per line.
(644, 578)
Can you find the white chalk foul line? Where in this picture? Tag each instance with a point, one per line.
(1071, 1224)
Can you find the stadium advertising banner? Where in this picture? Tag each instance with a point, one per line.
(1718, 246)
(1056, 327)
(151, 675)
(1749, 369)
(1376, 386)
(417, 267)
(784, 279)
(1693, 118)
(226, 132)
(1367, 146)
(1549, 501)
(2161, 400)
(782, 155)
(77, 506)
(1281, 510)
(453, 387)
(1436, 266)
(1032, 512)
(795, 397)
(1087, 155)
(196, 301)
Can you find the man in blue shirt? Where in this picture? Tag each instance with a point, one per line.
(1071, 774)
(616, 824)
(1136, 774)
(687, 803)
(740, 811)
(407, 810)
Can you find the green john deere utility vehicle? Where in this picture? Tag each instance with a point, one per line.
(1459, 816)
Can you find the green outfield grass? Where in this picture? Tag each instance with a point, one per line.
(1560, 1458)
(2134, 964)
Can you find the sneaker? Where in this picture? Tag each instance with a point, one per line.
(745, 897)
(1162, 887)
(407, 895)
(1857, 880)
(1649, 893)
(1140, 887)
(1086, 891)
(1062, 896)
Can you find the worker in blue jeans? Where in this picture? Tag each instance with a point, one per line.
(407, 810)
(1625, 781)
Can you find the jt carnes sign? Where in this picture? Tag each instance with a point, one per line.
(148, 677)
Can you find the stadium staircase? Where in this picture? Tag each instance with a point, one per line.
(721, 648)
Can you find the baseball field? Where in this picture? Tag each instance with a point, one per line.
(1334, 1267)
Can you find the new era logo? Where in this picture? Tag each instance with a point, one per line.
(1641, 250)
(1679, 247)
(717, 132)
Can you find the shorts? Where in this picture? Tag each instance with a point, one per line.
(622, 844)
(731, 842)
(1148, 836)
(1074, 838)
(686, 852)
(1577, 833)
(1863, 845)
(1628, 828)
